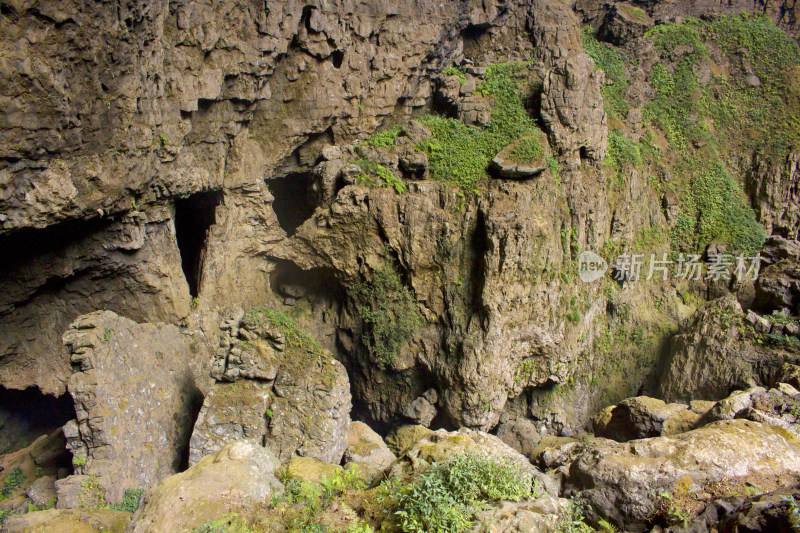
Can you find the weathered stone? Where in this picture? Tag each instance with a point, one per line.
(366, 449)
(635, 418)
(404, 437)
(507, 166)
(539, 515)
(71, 492)
(68, 521)
(239, 475)
(519, 433)
(43, 491)
(423, 410)
(134, 397)
(624, 23)
(713, 356)
(310, 469)
(291, 396)
(621, 479)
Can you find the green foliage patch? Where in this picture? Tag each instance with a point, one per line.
(295, 337)
(384, 138)
(714, 209)
(446, 497)
(389, 312)
(528, 150)
(13, 481)
(611, 61)
(453, 71)
(377, 175)
(460, 154)
(130, 501)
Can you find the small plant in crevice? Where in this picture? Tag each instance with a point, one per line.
(130, 501)
(389, 312)
(377, 175)
(385, 138)
(454, 71)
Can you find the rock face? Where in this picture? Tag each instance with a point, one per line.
(239, 475)
(712, 357)
(278, 388)
(134, 397)
(622, 480)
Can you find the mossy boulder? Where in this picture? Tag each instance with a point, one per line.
(366, 449)
(405, 437)
(622, 481)
(68, 521)
(240, 475)
(310, 469)
(635, 418)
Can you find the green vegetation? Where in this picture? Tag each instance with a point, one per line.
(460, 154)
(376, 175)
(612, 62)
(572, 520)
(13, 481)
(453, 71)
(389, 312)
(130, 501)
(446, 496)
(715, 209)
(528, 150)
(382, 139)
(295, 337)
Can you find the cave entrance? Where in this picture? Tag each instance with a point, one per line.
(296, 197)
(25, 415)
(194, 215)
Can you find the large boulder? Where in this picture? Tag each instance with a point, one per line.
(135, 396)
(239, 475)
(635, 418)
(367, 451)
(276, 387)
(68, 521)
(715, 356)
(623, 481)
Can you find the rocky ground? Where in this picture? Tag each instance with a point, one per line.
(317, 266)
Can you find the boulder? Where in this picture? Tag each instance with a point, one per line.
(404, 437)
(622, 480)
(42, 492)
(422, 410)
(625, 22)
(438, 446)
(509, 165)
(635, 418)
(310, 469)
(68, 521)
(539, 515)
(520, 433)
(134, 398)
(714, 356)
(240, 475)
(277, 387)
(366, 449)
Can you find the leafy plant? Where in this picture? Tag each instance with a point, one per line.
(459, 153)
(389, 312)
(612, 62)
(453, 71)
(527, 150)
(446, 496)
(14, 480)
(130, 501)
(384, 138)
(376, 175)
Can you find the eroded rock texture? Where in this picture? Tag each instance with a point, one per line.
(277, 388)
(134, 398)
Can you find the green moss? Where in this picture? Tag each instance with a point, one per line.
(453, 71)
(611, 61)
(130, 501)
(528, 150)
(714, 209)
(460, 154)
(389, 312)
(384, 138)
(376, 175)
(295, 337)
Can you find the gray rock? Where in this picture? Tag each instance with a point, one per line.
(43, 491)
(134, 396)
(635, 418)
(366, 449)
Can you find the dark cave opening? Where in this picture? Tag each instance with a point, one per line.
(317, 284)
(194, 216)
(337, 56)
(27, 414)
(296, 198)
